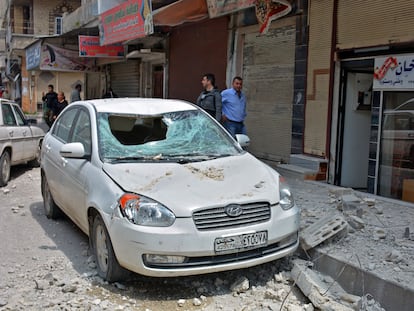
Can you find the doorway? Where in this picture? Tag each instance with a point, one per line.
(158, 81)
(354, 125)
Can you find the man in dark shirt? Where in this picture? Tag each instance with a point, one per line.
(210, 98)
(50, 101)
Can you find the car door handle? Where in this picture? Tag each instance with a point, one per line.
(24, 133)
(64, 161)
(48, 148)
(11, 133)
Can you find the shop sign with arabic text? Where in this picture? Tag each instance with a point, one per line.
(130, 20)
(89, 47)
(223, 7)
(394, 72)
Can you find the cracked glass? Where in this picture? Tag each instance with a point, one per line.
(177, 134)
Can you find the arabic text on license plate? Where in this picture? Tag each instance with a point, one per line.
(240, 242)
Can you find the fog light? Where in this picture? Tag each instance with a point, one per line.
(289, 240)
(163, 259)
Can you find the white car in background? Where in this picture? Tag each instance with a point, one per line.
(20, 141)
(161, 189)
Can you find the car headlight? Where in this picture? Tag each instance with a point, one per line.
(286, 197)
(143, 211)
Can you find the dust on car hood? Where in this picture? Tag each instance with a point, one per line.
(187, 187)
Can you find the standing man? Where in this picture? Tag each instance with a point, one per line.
(75, 95)
(234, 108)
(210, 98)
(50, 101)
(60, 105)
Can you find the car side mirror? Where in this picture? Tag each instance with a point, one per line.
(73, 150)
(243, 140)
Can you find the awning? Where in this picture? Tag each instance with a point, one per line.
(180, 12)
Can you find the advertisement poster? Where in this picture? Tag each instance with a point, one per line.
(394, 72)
(89, 47)
(33, 56)
(55, 58)
(129, 20)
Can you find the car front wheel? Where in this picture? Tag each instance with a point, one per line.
(106, 262)
(51, 209)
(5, 165)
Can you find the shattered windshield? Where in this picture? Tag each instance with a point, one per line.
(185, 134)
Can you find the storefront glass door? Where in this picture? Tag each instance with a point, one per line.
(396, 159)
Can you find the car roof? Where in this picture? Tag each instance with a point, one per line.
(141, 106)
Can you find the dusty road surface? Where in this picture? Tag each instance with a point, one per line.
(46, 265)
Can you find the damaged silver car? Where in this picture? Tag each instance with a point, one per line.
(161, 189)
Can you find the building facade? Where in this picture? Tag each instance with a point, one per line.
(358, 114)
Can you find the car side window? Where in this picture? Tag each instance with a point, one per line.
(64, 125)
(8, 116)
(19, 116)
(82, 131)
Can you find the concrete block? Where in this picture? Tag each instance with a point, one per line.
(356, 222)
(322, 295)
(322, 230)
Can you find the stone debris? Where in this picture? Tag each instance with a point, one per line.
(181, 302)
(356, 222)
(368, 303)
(323, 296)
(3, 302)
(394, 256)
(197, 302)
(241, 285)
(350, 201)
(379, 234)
(323, 229)
(370, 201)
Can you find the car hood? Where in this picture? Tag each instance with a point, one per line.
(184, 188)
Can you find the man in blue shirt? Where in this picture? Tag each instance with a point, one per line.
(234, 108)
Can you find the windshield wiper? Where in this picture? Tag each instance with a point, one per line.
(132, 158)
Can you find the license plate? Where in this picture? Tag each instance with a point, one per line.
(240, 242)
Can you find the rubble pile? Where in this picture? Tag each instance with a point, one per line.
(47, 265)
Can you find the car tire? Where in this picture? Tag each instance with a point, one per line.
(106, 263)
(36, 161)
(5, 166)
(52, 211)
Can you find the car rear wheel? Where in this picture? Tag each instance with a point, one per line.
(5, 165)
(106, 262)
(51, 209)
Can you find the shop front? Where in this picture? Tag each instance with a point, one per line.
(375, 126)
(394, 80)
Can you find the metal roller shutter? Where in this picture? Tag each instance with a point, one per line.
(374, 22)
(268, 72)
(125, 78)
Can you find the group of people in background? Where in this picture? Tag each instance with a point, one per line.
(227, 107)
(54, 104)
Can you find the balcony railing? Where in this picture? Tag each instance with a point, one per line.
(80, 17)
(22, 26)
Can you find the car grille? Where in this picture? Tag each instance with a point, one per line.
(216, 218)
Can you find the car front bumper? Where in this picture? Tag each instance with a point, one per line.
(131, 242)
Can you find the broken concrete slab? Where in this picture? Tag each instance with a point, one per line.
(356, 222)
(323, 295)
(322, 230)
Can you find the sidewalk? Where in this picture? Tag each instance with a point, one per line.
(377, 254)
